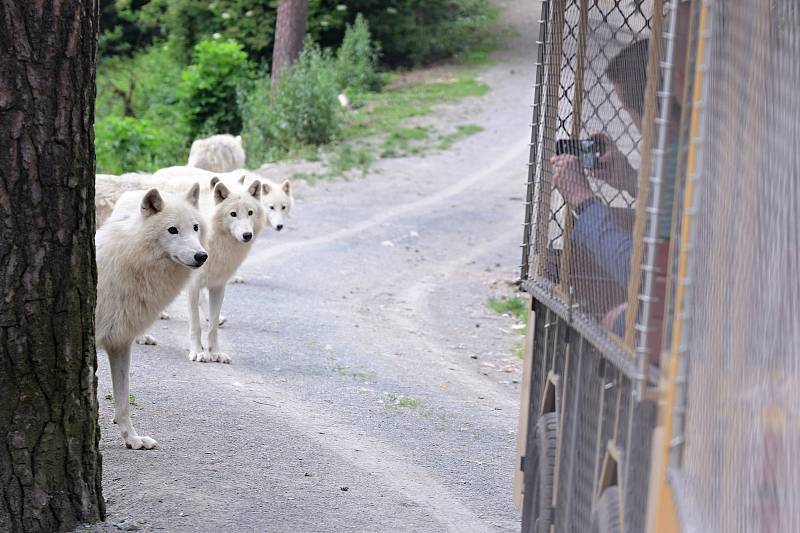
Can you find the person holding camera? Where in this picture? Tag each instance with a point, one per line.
(596, 229)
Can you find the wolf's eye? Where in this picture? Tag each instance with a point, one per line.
(173, 230)
(250, 213)
(233, 213)
(283, 208)
(196, 227)
(272, 207)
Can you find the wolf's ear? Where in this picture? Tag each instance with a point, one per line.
(152, 202)
(220, 192)
(214, 181)
(255, 189)
(241, 180)
(265, 188)
(287, 187)
(193, 196)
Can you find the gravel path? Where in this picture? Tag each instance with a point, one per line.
(353, 402)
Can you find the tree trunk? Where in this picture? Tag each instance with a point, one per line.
(290, 30)
(50, 465)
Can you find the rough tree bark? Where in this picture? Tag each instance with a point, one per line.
(290, 30)
(50, 465)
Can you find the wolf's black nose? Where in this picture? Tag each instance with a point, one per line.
(200, 257)
(279, 227)
(247, 236)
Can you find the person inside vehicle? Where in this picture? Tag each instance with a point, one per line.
(596, 230)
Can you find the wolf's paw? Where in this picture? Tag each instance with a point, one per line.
(237, 279)
(147, 340)
(222, 320)
(140, 443)
(200, 356)
(220, 357)
(164, 315)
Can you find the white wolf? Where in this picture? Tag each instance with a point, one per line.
(146, 252)
(237, 218)
(218, 153)
(278, 199)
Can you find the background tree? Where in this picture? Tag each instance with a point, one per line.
(49, 460)
(290, 31)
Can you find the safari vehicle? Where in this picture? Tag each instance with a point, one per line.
(661, 390)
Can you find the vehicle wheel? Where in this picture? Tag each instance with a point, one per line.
(537, 506)
(606, 518)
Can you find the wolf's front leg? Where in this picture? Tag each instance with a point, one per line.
(215, 297)
(120, 360)
(196, 352)
(205, 310)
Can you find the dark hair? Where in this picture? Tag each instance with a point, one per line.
(628, 71)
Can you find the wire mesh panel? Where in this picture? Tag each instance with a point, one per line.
(586, 153)
(739, 470)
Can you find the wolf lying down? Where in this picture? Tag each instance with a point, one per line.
(149, 248)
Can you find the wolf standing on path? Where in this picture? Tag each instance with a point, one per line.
(146, 252)
(237, 219)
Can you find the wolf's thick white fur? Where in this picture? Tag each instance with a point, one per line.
(278, 198)
(146, 252)
(218, 153)
(236, 220)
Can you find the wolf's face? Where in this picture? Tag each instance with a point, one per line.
(240, 213)
(177, 226)
(278, 202)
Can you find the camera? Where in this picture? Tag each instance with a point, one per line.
(588, 151)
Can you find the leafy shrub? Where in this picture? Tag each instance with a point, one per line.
(127, 144)
(304, 109)
(410, 32)
(306, 104)
(258, 125)
(210, 84)
(357, 59)
(144, 84)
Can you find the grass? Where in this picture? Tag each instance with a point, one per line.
(393, 400)
(378, 126)
(359, 375)
(386, 111)
(462, 131)
(514, 306)
(517, 308)
(131, 398)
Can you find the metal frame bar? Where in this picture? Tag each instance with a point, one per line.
(643, 327)
(577, 124)
(550, 121)
(661, 505)
(533, 152)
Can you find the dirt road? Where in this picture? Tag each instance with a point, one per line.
(353, 402)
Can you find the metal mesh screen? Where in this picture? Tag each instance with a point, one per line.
(586, 153)
(740, 466)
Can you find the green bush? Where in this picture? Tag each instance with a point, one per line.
(210, 84)
(306, 105)
(357, 59)
(410, 32)
(303, 111)
(258, 125)
(127, 144)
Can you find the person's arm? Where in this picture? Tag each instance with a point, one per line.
(610, 246)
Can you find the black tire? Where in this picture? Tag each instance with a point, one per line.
(606, 518)
(537, 507)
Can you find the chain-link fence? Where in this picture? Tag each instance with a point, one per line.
(586, 155)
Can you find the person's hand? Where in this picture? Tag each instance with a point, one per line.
(613, 166)
(569, 179)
